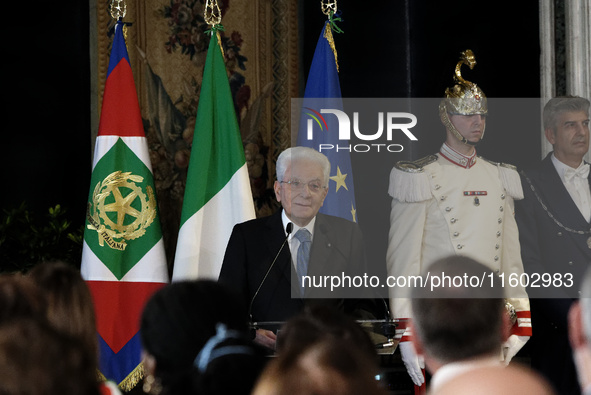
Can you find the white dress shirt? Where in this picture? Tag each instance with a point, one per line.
(294, 243)
(577, 187)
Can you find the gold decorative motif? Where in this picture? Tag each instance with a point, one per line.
(213, 17)
(114, 233)
(212, 13)
(118, 9)
(328, 7)
(330, 39)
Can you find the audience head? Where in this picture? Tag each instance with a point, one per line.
(579, 333)
(328, 366)
(585, 301)
(511, 380)
(193, 334)
(321, 351)
(70, 308)
(318, 322)
(19, 298)
(456, 323)
(37, 359)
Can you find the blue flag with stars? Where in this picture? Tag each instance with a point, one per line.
(320, 130)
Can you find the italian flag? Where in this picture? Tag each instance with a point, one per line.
(218, 194)
(123, 259)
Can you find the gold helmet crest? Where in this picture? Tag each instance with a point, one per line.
(464, 98)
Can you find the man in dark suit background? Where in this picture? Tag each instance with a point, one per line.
(336, 246)
(555, 235)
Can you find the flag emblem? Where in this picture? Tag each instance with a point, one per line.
(120, 209)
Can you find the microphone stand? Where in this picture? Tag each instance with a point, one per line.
(253, 328)
(388, 329)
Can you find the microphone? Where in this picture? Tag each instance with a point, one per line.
(288, 230)
(388, 329)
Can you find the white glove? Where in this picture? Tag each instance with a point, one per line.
(413, 362)
(512, 346)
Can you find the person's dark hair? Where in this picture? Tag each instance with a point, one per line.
(560, 104)
(69, 303)
(35, 358)
(318, 322)
(456, 323)
(176, 324)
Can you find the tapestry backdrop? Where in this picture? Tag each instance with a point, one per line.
(167, 46)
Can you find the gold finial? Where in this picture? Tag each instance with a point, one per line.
(212, 14)
(328, 7)
(118, 9)
(213, 17)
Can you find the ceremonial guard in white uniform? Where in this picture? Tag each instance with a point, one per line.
(455, 202)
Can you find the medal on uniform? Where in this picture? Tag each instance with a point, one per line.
(589, 242)
(475, 194)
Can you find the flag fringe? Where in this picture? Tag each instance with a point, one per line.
(330, 39)
(132, 378)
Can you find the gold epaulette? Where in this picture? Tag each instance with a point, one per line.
(509, 178)
(409, 182)
(505, 165)
(415, 166)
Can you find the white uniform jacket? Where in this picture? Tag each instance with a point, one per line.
(440, 208)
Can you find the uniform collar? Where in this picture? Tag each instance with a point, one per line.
(457, 158)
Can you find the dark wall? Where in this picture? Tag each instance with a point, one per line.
(45, 156)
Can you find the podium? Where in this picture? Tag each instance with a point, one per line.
(381, 332)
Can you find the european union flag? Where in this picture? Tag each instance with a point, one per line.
(320, 130)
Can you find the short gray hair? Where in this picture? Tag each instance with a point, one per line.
(561, 104)
(302, 153)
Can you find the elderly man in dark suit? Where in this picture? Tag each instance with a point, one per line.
(555, 235)
(265, 258)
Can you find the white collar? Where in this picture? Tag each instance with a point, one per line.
(295, 228)
(561, 167)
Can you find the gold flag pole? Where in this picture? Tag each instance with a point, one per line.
(213, 17)
(329, 8)
(118, 10)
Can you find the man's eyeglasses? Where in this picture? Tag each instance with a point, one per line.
(297, 185)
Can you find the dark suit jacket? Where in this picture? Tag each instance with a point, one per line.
(548, 248)
(337, 247)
